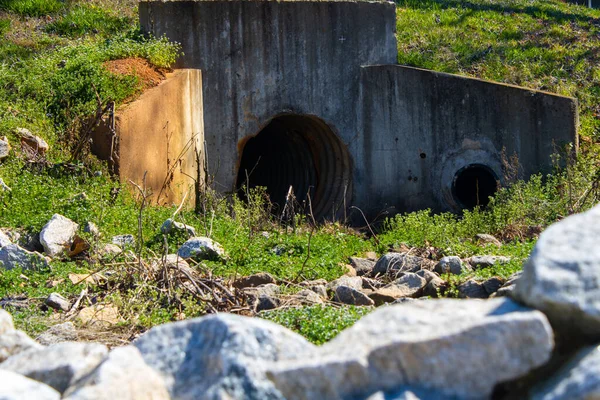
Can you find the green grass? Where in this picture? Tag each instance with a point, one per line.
(32, 8)
(83, 20)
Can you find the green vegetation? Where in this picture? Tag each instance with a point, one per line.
(53, 76)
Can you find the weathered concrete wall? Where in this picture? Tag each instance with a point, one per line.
(160, 134)
(260, 59)
(421, 127)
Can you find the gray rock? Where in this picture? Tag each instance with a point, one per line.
(451, 265)
(56, 301)
(493, 284)
(261, 278)
(64, 332)
(362, 266)
(579, 378)
(426, 344)
(266, 302)
(13, 342)
(201, 248)
(435, 285)
(220, 356)
(320, 290)
(59, 365)
(4, 239)
(408, 285)
(110, 249)
(13, 256)
(508, 286)
(123, 240)
(562, 276)
(6, 322)
(264, 297)
(472, 289)
(411, 393)
(399, 262)
(58, 235)
(354, 282)
(122, 375)
(348, 295)
(478, 262)
(171, 226)
(17, 387)
(4, 148)
(92, 229)
(308, 297)
(486, 238)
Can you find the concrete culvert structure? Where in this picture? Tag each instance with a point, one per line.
(303, 152)
(473, 185)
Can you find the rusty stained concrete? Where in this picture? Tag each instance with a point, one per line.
(160, 134)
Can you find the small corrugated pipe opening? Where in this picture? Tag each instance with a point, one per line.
(473, 185)
(300, 151)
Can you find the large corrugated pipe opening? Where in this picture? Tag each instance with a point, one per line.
(303, 152)
(473, 185)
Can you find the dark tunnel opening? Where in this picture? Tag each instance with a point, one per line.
(303, 152)
(473, 185)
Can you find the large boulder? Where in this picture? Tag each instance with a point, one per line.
(6, 322)
(59, 365)
(13, 256)
(579, 378)
(201, 248)
(58, 235)
(460, 348)
(13, 342)
(17, 387)
(122, 375)
(562, 276)
(220, 356)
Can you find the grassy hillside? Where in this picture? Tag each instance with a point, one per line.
(54, 75)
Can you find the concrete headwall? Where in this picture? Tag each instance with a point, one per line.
(421, 127)
(261, 59)
(160, 134)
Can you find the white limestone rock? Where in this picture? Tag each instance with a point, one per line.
(13, 342)
(6, 322)
(201, 248)
(459, 348)
(17, 387)
(58, 235)
(4, 148)
(220, 356)
(4, 239)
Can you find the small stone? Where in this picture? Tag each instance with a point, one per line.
(308, 297)
(59, 365)
(435, 285)
(400, 262)
(313, 282)
(33, 146)
(408, 285)
(4, 148)
(353, 282)
(493, 284)
(58, 302)
(488, 239)
(371, 255)
(509, 285)
(123, 240)
(92, 229)
(263, 297)
(17, 387)
(4, 239)
(348, 270)
(349, 295)
(110, 249)
(4, 186)
(472, 290)
(261, 278)
(64, 332)
(102, 315)
(362, 266)
(320, 290)
(478, 262)
(13, 256)
(201, 248)
(266, 302)
(58, 235)
(172, 226)
(451, 265)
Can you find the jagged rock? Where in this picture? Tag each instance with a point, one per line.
(6, 322)
(352, 296)
(400, 262)
(4, 148)
(486, 238)
(492, 285)
(308, 297)
(122, 375)
(13, 342)
(562, 276)
(509, 285)
(579, 378)
(472, 289)
(320, 290)
(59, 365)
(4, 186)
(435, 285)
(57, 235)
(263, 297)
(451, 265)
(408, 285)
(17, 387)
(261, 278)
(13, 256)
(92, 229)
(33, 146)
(171, 226)
(123, 240)
(266, 302)
(478, 262)
(58, 302)
(201, 248)
(64, 332)
(362, 266)
(230, 351)
(426, 344)
(4, 239)
(353, 282)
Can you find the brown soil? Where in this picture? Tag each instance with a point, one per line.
(148, 75)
